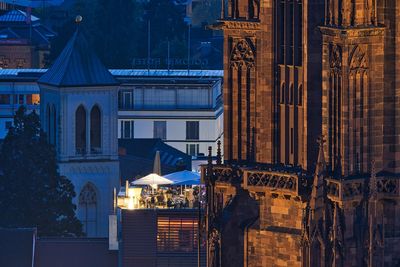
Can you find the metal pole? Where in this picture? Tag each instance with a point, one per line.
(168, 56)
(198, 229)
(148, 47)
(188, 59)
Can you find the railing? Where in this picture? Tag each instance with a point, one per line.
(256, 180)
(355, 188)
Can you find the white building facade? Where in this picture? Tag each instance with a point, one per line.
(184, 110)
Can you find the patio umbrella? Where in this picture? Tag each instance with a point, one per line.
(184, 177)
(152, 179)
(189, 182)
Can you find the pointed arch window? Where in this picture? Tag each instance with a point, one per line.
(88, 209)
(80, 130)
(95, 129)
(291, 95)
(283, 93)
(300, 96)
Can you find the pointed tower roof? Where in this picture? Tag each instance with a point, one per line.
(77, 65)
(317, 193)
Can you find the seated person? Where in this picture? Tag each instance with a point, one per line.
(170, 203)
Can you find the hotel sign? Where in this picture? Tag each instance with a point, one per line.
(172, 62)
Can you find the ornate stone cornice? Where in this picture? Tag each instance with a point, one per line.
(236, 25)
(352, 32)
(354, 189)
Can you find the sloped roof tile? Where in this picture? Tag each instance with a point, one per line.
(77, 66)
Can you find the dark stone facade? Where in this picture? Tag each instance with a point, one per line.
(296, 70)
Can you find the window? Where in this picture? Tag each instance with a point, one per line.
(80, 130)
(95, 129)
(283, 93)
(87, 209)
(125, 100)
(192, 130)
(176, 234)
(8, 125)
(291, 95)
(192, 149)
(33, 99)
(160, 130)
(300, 97)
(127, 129)
(21, 99)
(291, 141)
(5, 99)
(289, 19)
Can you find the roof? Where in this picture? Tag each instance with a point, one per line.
(137, 157)
(129, 73)
(17, 247)
(77, 66)
(16, 15)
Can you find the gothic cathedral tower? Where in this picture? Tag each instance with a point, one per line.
(295, 70)
(272, 93)
(79, 114)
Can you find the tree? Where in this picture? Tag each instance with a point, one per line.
(32, 192)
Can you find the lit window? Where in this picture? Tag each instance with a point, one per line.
(176, 234)
(33, 99)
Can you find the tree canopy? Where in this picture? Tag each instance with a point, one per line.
(118, 30)
(32, 192)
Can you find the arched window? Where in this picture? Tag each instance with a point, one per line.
(95, 129)
(291, 95)
(300, 96)
(80, 130)
(88, 209)
(283, 93)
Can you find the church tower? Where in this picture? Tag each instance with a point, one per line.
(272, 65)
(295, 70)
(79, 114)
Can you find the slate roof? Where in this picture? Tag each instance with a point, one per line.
(77, 65)
(133, 73)
(16, 16)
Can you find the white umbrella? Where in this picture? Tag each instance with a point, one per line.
(152, 179)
